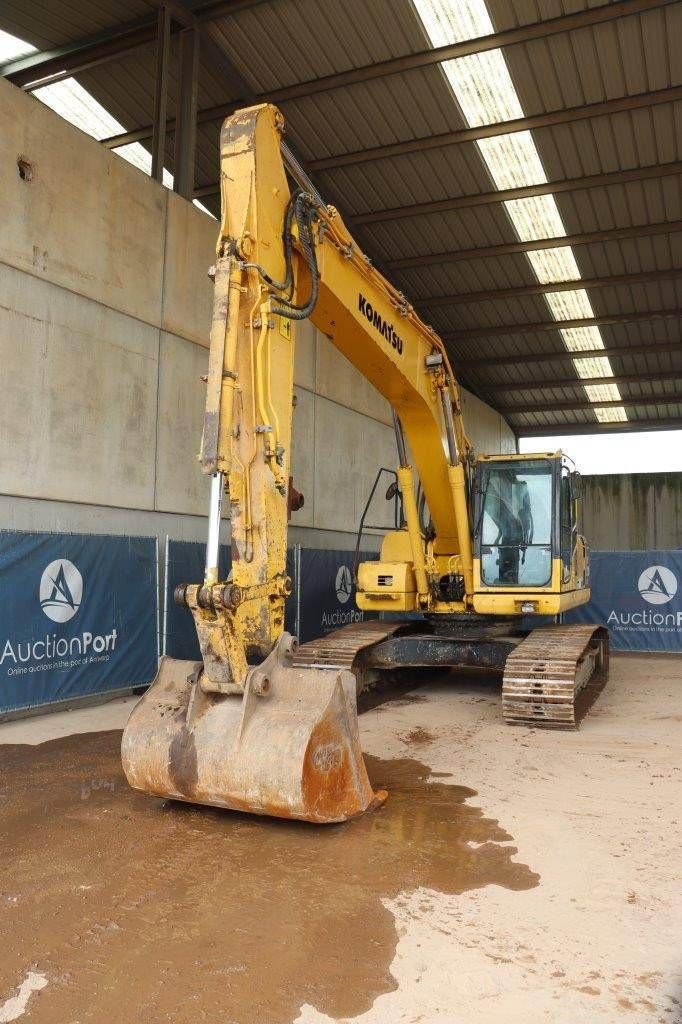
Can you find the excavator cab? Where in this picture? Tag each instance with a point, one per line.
(526, 534)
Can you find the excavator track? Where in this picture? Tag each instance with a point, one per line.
(340, 648)
(551, 679)
(554, 676)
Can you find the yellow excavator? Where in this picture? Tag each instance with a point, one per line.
(483, 544)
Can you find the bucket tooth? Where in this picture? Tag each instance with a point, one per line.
(288, 747)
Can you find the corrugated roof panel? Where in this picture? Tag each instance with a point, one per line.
(460, 229)
(372, 114)
(48, 23)
(274, 45)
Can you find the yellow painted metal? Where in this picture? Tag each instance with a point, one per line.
(386, 586)
(546, 602)
(406, 481)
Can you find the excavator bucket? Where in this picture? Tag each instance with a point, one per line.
(287, 747)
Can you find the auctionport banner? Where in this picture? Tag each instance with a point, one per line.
(327, 594)
(79, 616)
(638, 596)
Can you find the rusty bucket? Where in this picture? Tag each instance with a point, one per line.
(287, 747)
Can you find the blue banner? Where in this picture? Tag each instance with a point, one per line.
(637, 596)
(79, 616)
(327, 593)
(185, 564)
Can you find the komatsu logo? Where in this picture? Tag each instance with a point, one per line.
(384, 328)
(657, 584)
(61, 590)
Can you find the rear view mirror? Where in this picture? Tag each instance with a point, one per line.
(392, 490)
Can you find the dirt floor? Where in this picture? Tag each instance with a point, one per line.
(513, 875)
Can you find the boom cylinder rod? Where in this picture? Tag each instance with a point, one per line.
(449, 426)
(213, 541)
(406, 481)
(400, 440)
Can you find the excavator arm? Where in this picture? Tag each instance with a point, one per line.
(282, 257)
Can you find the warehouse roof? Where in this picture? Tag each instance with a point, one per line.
(518, 177)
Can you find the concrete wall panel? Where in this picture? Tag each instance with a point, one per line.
(633, 512)
(79, 405)
(189, 252)
(180, 484)
(304, 355)
(88, 220)
(486, 429)
(348, 452)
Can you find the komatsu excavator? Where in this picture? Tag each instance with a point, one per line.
(484, 543)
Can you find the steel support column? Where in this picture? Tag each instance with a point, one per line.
(186, 121)
(161, 92)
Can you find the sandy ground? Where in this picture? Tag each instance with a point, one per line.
(514, 875)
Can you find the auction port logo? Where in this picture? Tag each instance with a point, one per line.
(61, 590)
(657, 584)
(343, 584)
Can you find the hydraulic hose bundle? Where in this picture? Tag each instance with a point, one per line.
(301, 208)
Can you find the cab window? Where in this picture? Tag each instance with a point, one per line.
(516, 524)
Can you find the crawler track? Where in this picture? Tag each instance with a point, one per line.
(551, 678)
(554, 676)
(340, 648)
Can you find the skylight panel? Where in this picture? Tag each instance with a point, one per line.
(11, 48)
(72, 102)
(602, 392)
(75, 104)
(485, 93)
(614, 415)
(453, 22)
(536, 217)
(572, 305)
(578, 339)
(593, 366)
(484, 90)
(512, 160)
(552, 265)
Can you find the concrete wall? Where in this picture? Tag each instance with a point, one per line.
(634, 512)
(104, 319)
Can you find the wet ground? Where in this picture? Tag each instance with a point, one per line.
(136, 909)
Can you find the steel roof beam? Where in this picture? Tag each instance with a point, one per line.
(524, 358)
(409, 62)
(488, 131)
(581, 283)
(557, 429)
(577, 382)
(512, 248)
(496, 40)
(603, 320)
(45, 66)
(466, 202)
(508, 410)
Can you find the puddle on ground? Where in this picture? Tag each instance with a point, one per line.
(140, 909)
